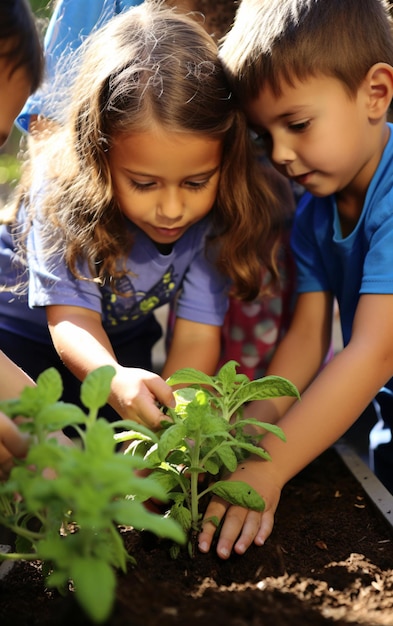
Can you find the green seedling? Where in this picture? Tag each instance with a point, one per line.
(71, 499)
(205, 436)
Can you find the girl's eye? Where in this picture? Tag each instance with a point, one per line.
(262, 139)
(300, 126)
(141, 186)
(196, 186)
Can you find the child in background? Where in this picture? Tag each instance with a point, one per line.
(21, 62)
(319, 97)
(21, 67)
(151, 186)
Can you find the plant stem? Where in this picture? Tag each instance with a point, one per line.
(195, 451)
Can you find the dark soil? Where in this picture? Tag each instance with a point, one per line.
(329, 560)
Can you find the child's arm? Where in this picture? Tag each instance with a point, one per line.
(193, 345)
(83, 345)
(332, 402)
(13, 443)
(12, 379)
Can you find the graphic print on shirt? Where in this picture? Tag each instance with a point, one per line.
(118, 309)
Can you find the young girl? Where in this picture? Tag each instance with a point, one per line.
(151, 188)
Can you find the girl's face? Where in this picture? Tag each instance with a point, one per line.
(165, 181)
(317, 135)
(14, 91)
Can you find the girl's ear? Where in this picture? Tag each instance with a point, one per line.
(379, 87)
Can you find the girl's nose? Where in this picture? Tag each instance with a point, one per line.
(170, 205)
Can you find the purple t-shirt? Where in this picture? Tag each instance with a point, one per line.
(155, 279)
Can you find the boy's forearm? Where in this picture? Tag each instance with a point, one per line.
(326, 410)
(297, 360)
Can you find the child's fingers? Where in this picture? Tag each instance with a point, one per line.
(232, 530)
(249, 531)
(12, 441)
(265, 528)
(216, 509)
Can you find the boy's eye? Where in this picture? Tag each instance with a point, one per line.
(298, 127)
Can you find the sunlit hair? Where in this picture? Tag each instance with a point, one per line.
(278, 41)
(149, 66)
(20, 44)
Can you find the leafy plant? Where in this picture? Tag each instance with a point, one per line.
(72, 498)
(205, 436)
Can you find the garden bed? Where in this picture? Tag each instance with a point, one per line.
(329, 560)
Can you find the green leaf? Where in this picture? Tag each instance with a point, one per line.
(168, 480)
(182, 516)
(239, 493)
(228, 376)
(48, 390)
(133, 430)
(95, 584)
(267, 387)
(96, 387)
(133, 513)
(272, 428)
(253, 449)
(228, 457)
(57, 416)
(99, 441)
(50, 385)
(211, 466)
(189, 376)
(171, 439)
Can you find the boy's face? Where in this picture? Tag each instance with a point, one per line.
(317, 135)
(14, 91)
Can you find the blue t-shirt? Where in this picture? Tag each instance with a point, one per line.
(155, 279)
(362, 262)
(71, 22)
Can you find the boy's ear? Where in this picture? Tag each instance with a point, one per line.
(379, 86)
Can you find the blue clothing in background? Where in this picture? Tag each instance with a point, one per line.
(71, 22)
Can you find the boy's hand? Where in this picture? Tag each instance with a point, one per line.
(241, 527)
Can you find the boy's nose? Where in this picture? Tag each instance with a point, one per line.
(282, 154)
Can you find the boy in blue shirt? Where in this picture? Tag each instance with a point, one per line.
(316, 80)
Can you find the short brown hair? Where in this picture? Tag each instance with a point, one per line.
(276, 41)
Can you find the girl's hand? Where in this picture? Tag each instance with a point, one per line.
(136, 393)
(241, 527)
(13, 443)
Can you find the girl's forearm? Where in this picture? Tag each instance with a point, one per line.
(80, 341)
